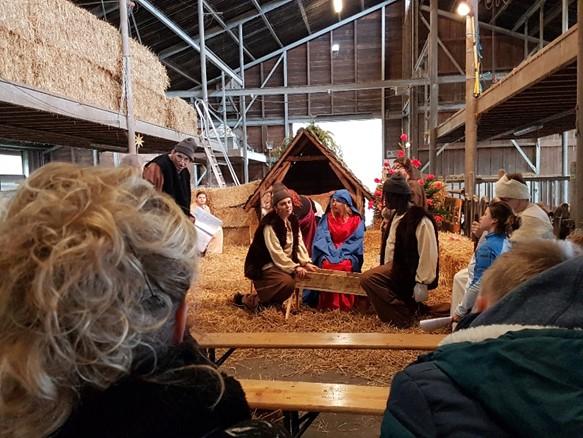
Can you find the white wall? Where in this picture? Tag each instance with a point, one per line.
(361, 144)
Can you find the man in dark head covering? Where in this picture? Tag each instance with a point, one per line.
(277, 255)
(410, 249)
(169, 173)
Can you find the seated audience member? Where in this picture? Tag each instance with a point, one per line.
(534, 221)
(303, 210)
(533, 224)
(215, 246)
(464, 277)
(498, 222)
(523, 345)
(94, 270)
(276, 256)
(339, 245)
(396, 288)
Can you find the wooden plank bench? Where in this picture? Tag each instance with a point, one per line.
(310, 340)
(312, 399)
(326, 280)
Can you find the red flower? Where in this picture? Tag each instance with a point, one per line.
(416, 163)
(421, 182)
(378, 192)
(391, 171)
(430, 177)
(438, 218)
(377, 181)
(404, 137)
(437, 185)
(430, 202)
(370, 205)
(400, 153)
(386, 163)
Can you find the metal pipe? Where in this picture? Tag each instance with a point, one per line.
(565, 163)
(434, 86)
(203, 81)
(187, 39)
(303, 89)
(243, 109)
(565, 135)
(565, 16)
(541, 25)
(127, 76)
(224, 109)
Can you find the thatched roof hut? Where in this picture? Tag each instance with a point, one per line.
(310, 168)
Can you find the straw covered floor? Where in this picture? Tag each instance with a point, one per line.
(220, 276)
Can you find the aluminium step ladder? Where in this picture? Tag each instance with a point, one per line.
(207, 126)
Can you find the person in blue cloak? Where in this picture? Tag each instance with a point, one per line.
(338, 245)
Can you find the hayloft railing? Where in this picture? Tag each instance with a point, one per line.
(549, 190)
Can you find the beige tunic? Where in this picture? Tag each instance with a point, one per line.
(282, 256)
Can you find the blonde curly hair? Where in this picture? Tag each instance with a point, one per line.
(94, 264)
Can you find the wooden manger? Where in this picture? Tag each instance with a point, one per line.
(326, 280)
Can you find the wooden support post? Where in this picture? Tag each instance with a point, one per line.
(579, 154)
(471, 128)
(127, 76)
(434, 87)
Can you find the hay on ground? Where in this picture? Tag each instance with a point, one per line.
(210, 310)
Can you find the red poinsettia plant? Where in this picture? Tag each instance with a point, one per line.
(434, 188)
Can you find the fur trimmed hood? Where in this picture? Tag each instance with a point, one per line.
(483, 333)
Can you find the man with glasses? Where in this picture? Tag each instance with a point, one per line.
(169, 173)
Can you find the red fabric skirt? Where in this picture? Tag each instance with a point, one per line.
(334, 300)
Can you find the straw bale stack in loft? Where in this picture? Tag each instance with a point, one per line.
(55, 46)
(227, 204)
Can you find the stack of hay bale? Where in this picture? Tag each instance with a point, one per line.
(227, 204)
(58, 47)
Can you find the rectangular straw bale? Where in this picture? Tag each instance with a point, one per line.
(232, 217)
(15, 59)
(14, 16)
(455, 252)
(230, 196)
(63, 25)
(42, 66)
(149, 106)
(181, 116)
(236, 236)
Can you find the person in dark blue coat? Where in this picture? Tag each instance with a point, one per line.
(516, 371)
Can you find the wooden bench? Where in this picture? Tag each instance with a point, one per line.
(310, 340)
(312, 399)
(326, 280)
